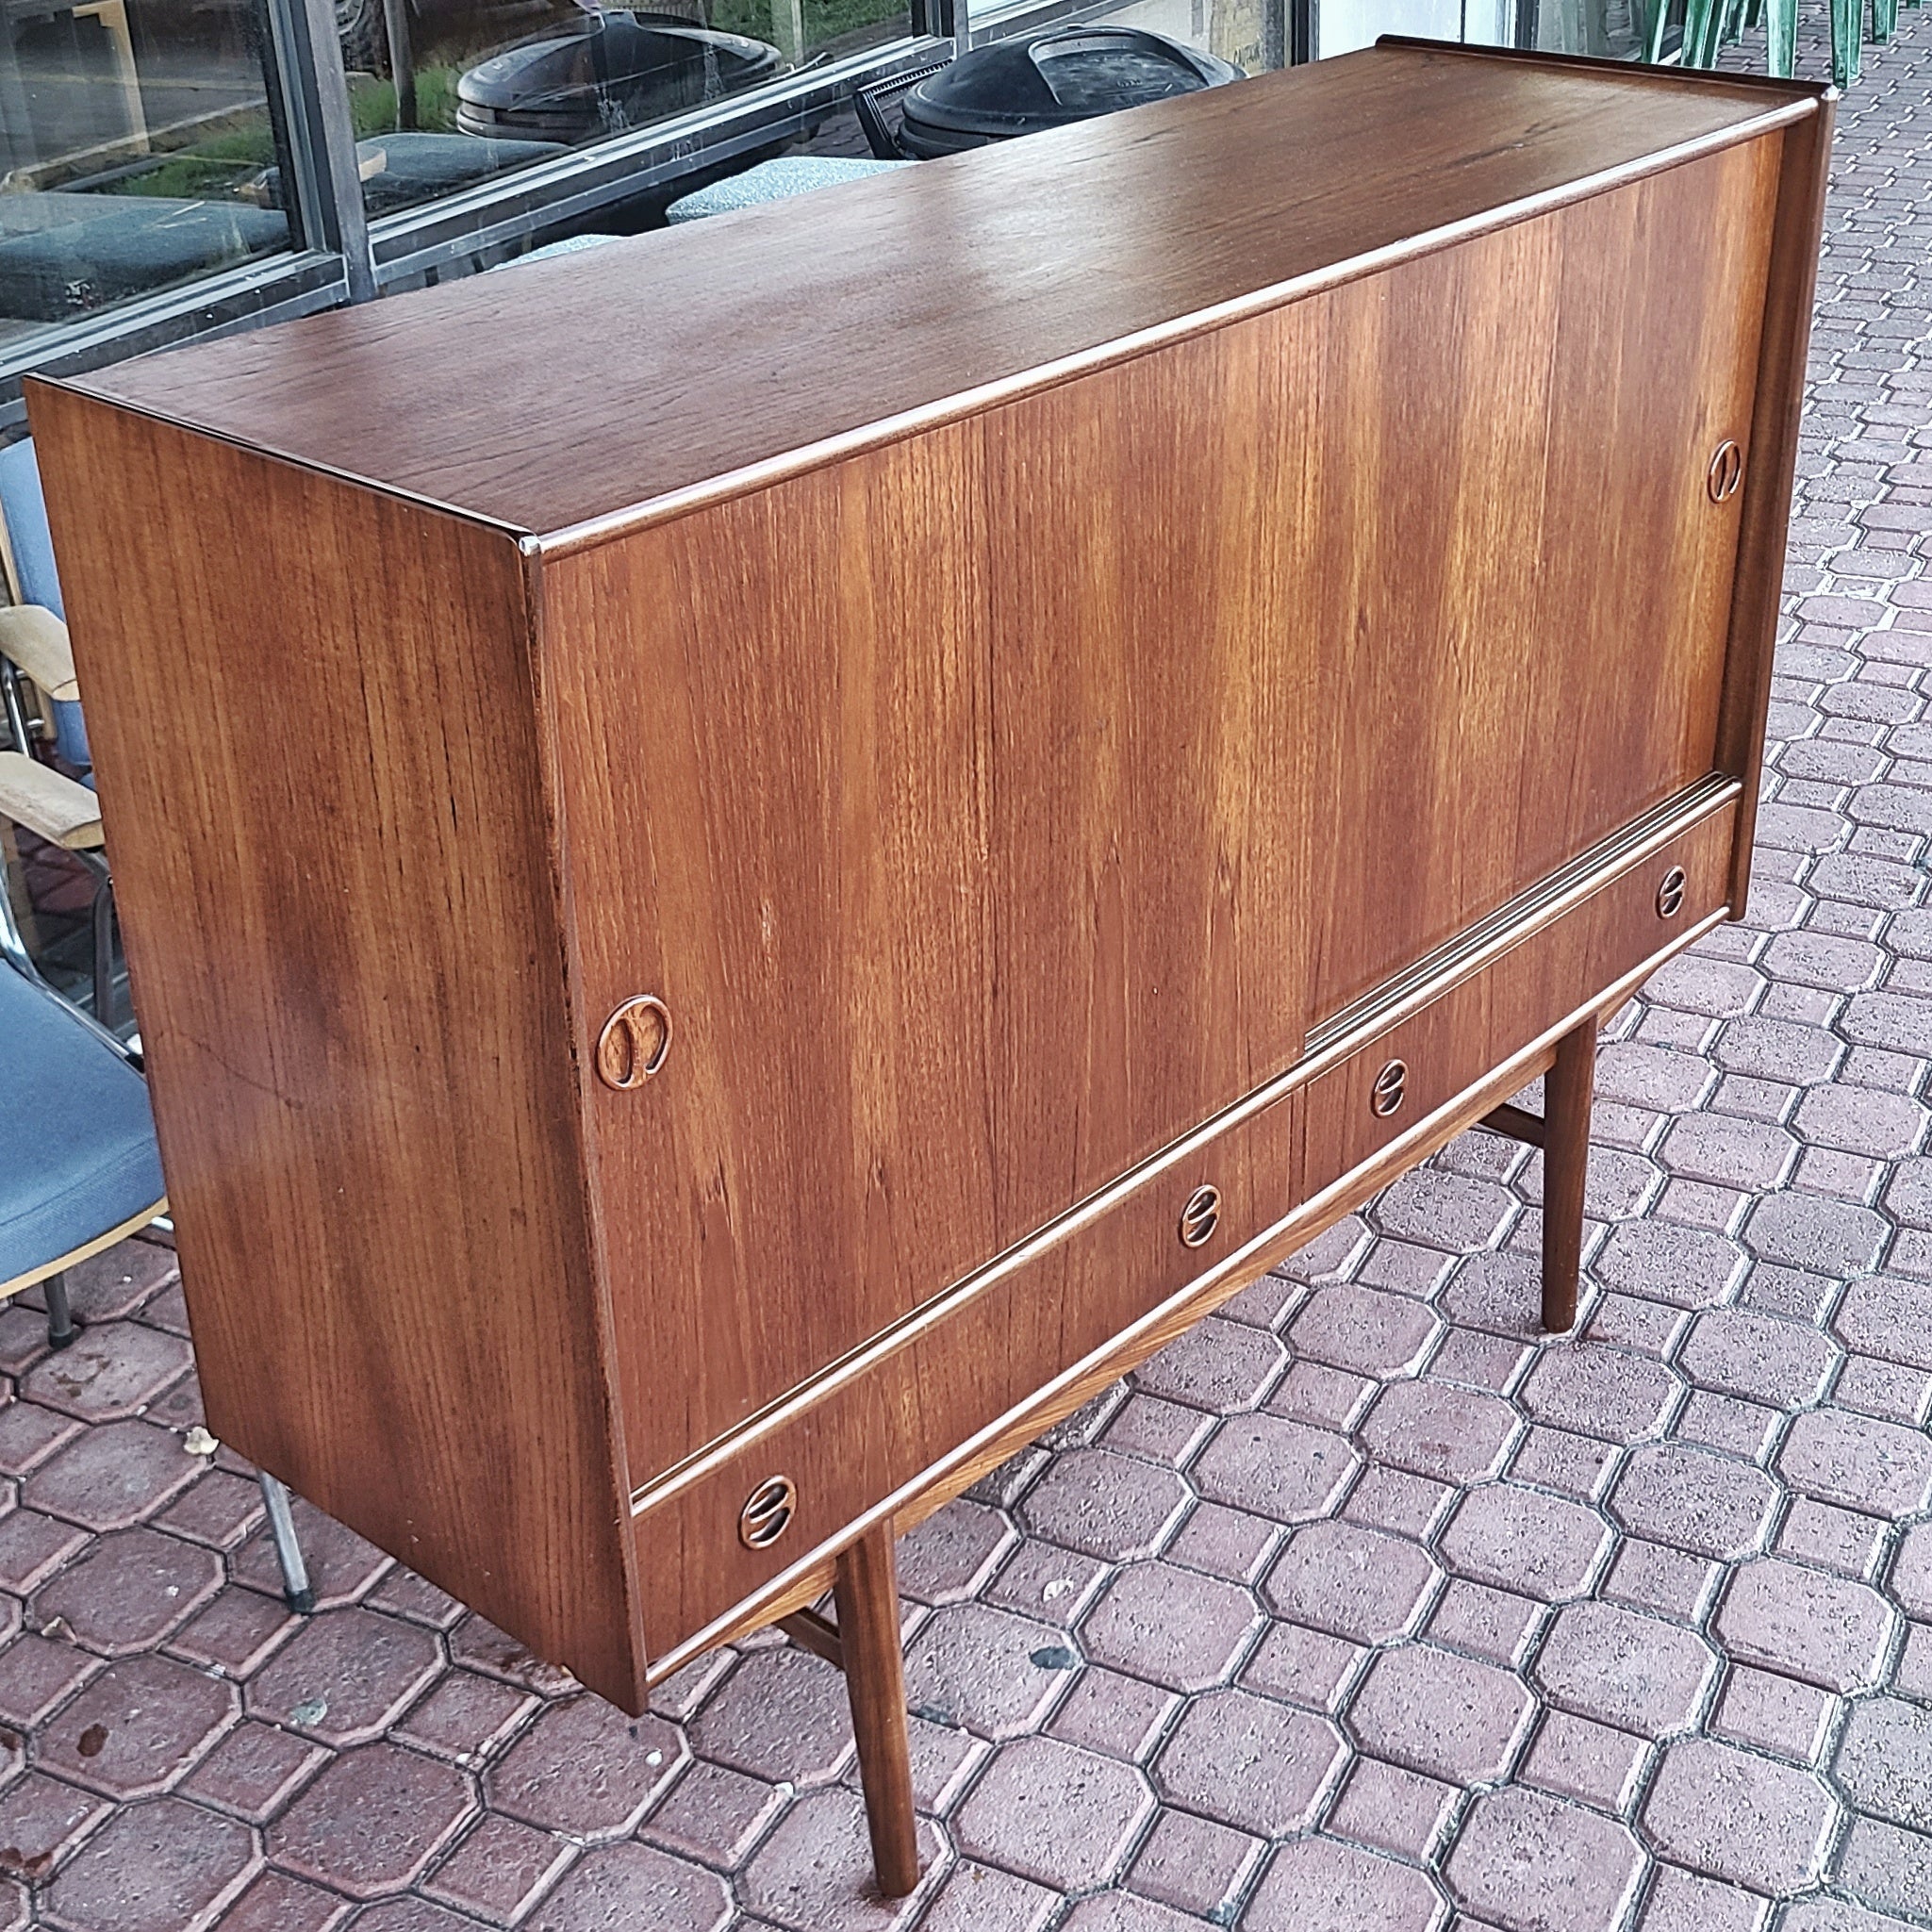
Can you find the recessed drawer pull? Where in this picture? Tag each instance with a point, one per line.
(767, 1513)
(1726, 473)
(1390, 1084)
(1670, 893)
(1201, 1216)
(635, 1042)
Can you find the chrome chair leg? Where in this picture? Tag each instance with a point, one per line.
(62, 1329)
(296, 1589)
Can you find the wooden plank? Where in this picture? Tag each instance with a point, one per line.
(346, 949)
(902, 293)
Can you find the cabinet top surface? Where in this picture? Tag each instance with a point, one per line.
(578, 395)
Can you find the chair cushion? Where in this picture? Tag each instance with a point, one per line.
(77, 1154)
(774, 181)
(571, 244)
(64, 255)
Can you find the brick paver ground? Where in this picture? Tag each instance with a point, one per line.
(1363, 1610)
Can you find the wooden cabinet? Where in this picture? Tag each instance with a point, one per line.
(755, 859)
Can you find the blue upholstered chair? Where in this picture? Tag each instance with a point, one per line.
(80, 1170)
(779, 180)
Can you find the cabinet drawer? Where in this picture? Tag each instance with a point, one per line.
(1426, 1061)
(743, 1516)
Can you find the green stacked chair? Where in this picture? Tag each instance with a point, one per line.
(1711, 26)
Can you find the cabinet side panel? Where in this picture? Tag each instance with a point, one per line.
(1790, 282)
(317, 742)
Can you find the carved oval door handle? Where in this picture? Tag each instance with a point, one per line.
(1201, 1216)
(767, 1513)
(1390, 1088)
(635, 1042)
(1726, 472)
(1670, 893)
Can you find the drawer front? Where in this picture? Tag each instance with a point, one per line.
(1426, 1061)
(754, 1511)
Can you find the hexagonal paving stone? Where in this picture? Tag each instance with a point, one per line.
(1622, 1668)
(1170, 1625)
(952, 1552)
(1357, 1329)
(130, 1590)
(1888, 1318)
(1275, 1467)
(987, 1668)
(781, 1715)
(40, 1817)
(1441, 1209)
(1601, 1391)
(1249, 1763)
(341, 1566)
(1498, 1291)
(153, 1868)
(1053, 1813)
(1739, 1816)
(633, 1885)
(137, 1727)
(1688, 1267)
(1695, 1500)
(1351, 1581)
(1858, 1461)
(1456, 1435)
(1524, 1540)
(1824, 1629)
(586, 1768)
(346, 1675)
(253, 1770)
(1528, 1862)
(113, 1370)
(1884, 1760)
(1314, 1881)
(1742, 1351)
(1447, 1716)
(1105, 1505)
(373, 1821)
(112, 1476)
(1730, 1152)
(1829, 1237)
(497, 1868)
(1217, 1365)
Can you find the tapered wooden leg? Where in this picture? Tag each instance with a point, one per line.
(866, 1592)
(1566, 1094)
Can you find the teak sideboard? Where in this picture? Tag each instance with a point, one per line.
(756, 860)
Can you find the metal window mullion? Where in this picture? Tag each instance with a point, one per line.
(322, 138)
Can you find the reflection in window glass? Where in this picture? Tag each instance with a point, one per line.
(1249, 33)
(447, 93)
(136, 151)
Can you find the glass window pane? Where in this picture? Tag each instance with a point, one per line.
(448, 93)
(137, 151)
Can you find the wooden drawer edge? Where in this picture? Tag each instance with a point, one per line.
(810, 1577)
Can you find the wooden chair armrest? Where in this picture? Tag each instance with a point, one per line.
(58, 809)
(36, 640)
